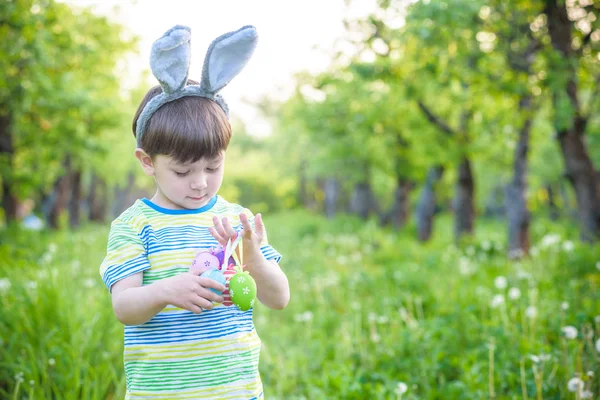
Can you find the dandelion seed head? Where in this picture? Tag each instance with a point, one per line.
(575, 385)
(401, 388)
(497, 301)
(586, 394)
(500, 282)
(4, 285)
(568, 246)
(534, 358)
(569, 331)
(514, 293)
(531, 312)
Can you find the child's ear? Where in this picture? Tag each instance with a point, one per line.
(145, 160)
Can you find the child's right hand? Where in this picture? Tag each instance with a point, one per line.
(190, 292)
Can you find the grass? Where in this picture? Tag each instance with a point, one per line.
(374, 314)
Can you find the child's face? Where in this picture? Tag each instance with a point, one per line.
(185, 186)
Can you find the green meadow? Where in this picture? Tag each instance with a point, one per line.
(374, 314)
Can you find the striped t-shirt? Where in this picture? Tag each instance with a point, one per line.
(178, 354)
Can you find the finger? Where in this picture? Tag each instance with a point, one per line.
(246, 224)
(216, 235)
(259, 225)
(203, 303)
(219, 228)
(229, 229)
(210, 295)
(193, 308)
(210, 283)
(199, 269)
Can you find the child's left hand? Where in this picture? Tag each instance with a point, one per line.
(223, 231)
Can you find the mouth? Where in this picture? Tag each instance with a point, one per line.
(196, 198)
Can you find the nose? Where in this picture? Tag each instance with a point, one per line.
(199, 182)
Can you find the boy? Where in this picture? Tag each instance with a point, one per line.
(182, 340)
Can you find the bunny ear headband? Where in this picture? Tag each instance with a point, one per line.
(170, 57)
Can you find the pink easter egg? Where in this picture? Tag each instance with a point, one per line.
(202, 262)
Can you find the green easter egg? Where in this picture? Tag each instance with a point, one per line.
(242, 290)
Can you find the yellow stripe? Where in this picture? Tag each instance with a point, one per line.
(214, 392)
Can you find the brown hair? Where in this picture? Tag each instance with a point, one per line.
(187, 129)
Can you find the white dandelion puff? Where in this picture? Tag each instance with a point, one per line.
(534, 358)
(497, 301)
(550, 240)
(568, 246)
(4, 285)
(564, 306)
(598, 345)
(545, 357)
(587, 394)
(570, 332)
(531, 312)
(401, 388)
(31, 285)
(514, 293)
(51, 362)
(575, 385)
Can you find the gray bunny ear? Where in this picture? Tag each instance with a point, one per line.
(226, 57)
(170, 58)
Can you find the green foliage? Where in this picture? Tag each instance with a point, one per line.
(369, 309)
(59, 91)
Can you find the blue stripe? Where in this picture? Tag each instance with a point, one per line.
(163, 210)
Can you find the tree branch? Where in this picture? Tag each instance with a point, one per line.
(434, 119)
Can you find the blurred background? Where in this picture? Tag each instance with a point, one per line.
(429, 169)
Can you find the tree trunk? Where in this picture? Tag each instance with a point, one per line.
(400, 209)
(61, 196)
(75, 204)
(332, 194)
(464, 209)
(363, 202)
(578, 165)
(581, 174)
(517, 212)
(9, 200)
(122, 196)
(427, 202)
(97, 200)
(302, 185)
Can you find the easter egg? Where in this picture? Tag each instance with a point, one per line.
(242, 290)
(204, 261)
(216, 275)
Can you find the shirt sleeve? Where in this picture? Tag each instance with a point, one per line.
(125, 254)
(268, 251)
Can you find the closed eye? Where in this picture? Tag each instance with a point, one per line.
(181, 174)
